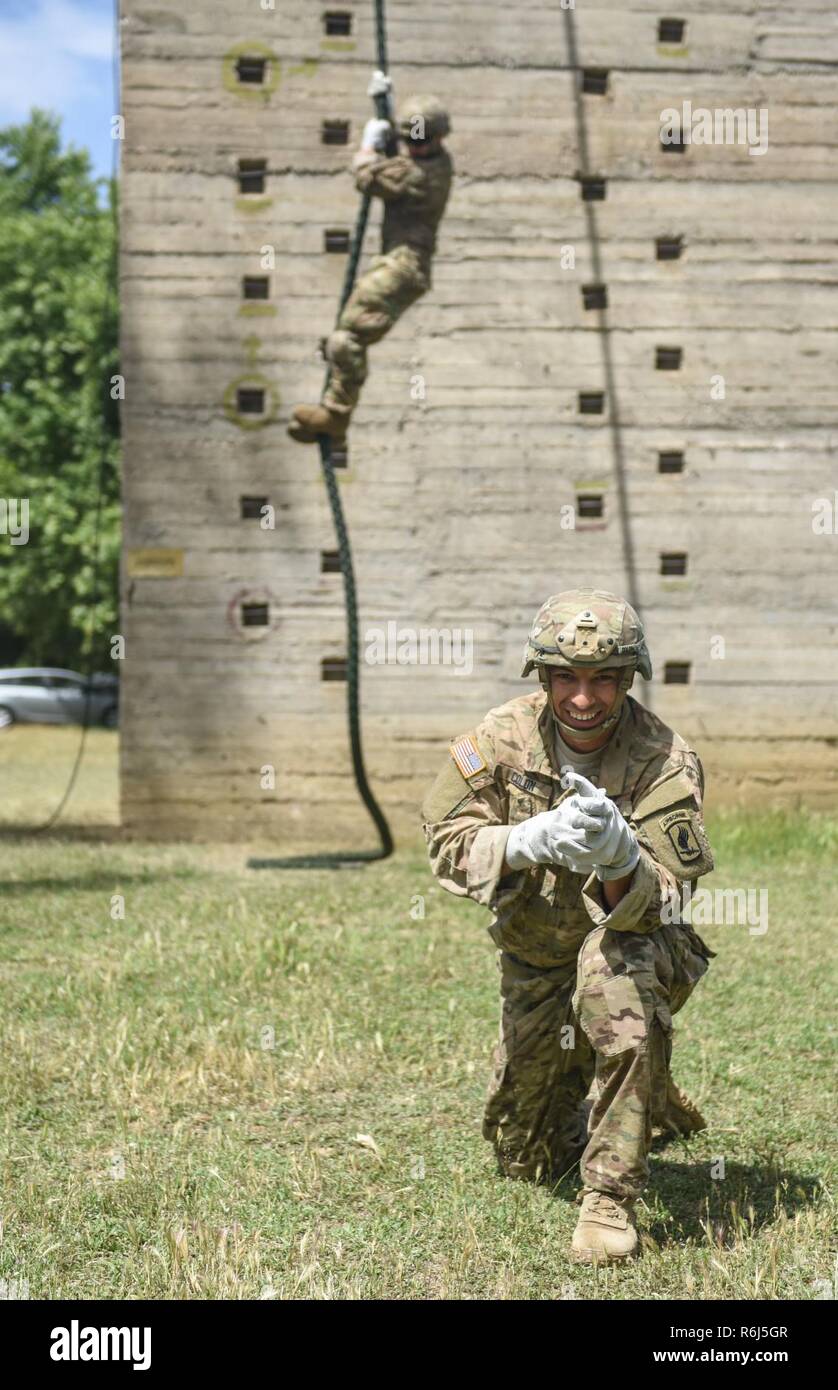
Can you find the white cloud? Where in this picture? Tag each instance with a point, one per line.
(47, 49)
(90, 35)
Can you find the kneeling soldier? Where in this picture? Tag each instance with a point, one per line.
(584, 887)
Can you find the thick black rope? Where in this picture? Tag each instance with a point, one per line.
(319, 861)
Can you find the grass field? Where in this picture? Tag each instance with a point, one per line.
(36, 761)
(258, 1085)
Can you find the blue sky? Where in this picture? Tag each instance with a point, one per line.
(57, 54)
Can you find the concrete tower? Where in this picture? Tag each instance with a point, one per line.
(625, 374)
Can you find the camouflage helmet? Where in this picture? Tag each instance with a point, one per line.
(588, 628)
(422, 117)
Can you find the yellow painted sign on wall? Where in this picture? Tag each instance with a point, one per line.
(154, 564)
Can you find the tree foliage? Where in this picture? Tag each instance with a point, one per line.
(59, 427)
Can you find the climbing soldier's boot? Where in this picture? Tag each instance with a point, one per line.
(605, 1231)
(311, 420)
(682, 1115)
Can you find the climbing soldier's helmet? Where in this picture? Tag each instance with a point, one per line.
(421, 118)
(587, 629)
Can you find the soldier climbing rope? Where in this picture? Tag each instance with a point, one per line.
(414, 187)
(381, 99)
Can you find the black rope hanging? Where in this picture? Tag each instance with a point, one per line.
(336, 858)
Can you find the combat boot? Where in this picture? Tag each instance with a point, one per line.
(682, 1115)
(311, 420)
(605, 1231)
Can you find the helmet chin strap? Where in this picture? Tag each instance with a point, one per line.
(610, 720)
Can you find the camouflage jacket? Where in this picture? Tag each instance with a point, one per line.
(414, 192)
(504, 771)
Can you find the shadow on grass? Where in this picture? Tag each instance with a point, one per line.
(69, 834)
(96, 880)
(747, 1198)
(702, 1207)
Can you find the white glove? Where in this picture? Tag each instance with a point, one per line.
(610, 842)
(380, 84)
(376, 134)
(553, 837)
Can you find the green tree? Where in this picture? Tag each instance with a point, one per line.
(59, 426)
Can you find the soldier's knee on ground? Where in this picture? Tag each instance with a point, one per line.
(346, 353)
(513, 1165)
(537, 1167)
(616, 1000)
(546, 1147)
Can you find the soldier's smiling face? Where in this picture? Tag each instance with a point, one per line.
(581, 698)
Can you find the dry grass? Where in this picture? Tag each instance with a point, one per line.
(35, 765)
(270, 1085)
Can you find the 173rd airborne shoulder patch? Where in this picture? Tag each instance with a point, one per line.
(669, 823)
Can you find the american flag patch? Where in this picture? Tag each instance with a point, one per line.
(465, 755)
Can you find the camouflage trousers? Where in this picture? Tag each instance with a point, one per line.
(606, 1022)
(392, 283)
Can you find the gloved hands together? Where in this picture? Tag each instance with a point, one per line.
(380, 84)
(612, 846)
(553, 837)
(376, 134)
(585, 832)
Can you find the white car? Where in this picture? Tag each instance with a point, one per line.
(49, 695)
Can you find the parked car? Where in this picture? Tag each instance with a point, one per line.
(48, 695)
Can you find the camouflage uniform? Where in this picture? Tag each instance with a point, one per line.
(414, 192)
(606, 982)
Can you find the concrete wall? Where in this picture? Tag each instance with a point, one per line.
(455, 500)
